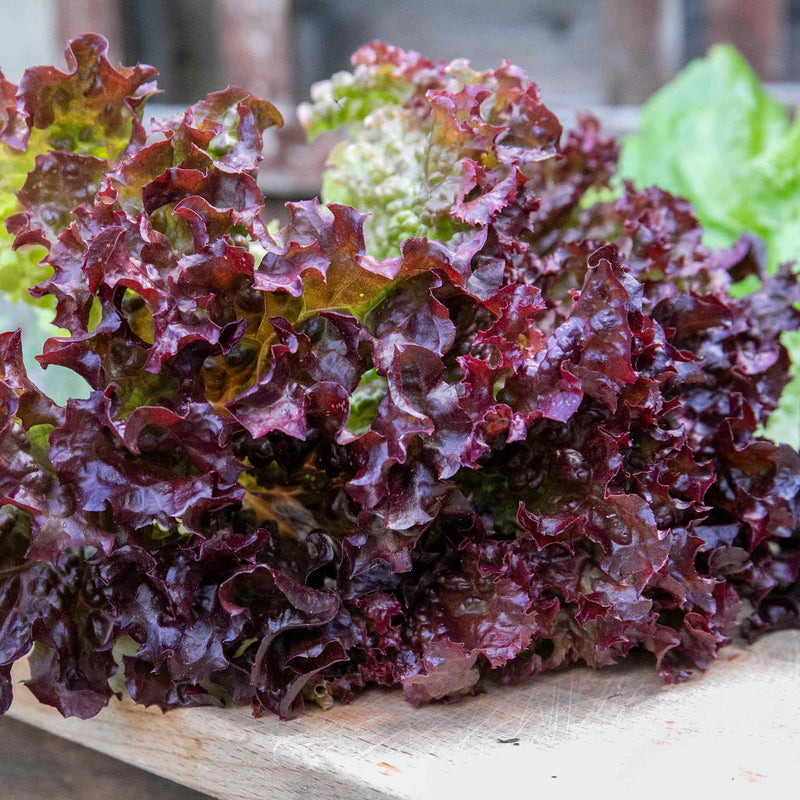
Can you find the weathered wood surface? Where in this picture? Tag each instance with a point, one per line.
(619, 730)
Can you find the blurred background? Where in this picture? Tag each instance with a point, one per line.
(606, 52)
(604, 55)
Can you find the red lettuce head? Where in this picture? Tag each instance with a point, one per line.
(305, 468)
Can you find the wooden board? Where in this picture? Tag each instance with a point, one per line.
(618, 730)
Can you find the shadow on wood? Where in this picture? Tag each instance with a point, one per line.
(35, 765)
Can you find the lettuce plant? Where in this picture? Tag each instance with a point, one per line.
(717, 137)
(484, 432)
(76, 124)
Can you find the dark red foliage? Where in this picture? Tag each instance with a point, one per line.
(303, 471)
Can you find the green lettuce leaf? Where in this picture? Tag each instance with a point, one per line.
(59, 383)
(345, 98)
(383, 170)
(701, 133)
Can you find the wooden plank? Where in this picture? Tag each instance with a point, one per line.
(758, 30)
(98, 16)
(257, 49)
(577, 730)
(633, 54)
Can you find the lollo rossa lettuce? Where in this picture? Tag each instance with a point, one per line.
(717, 137)
(487, 431)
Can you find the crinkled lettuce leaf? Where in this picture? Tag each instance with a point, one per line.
(716, 136)
(52, 126)
(304, 470)
(425, 141)
(383, 170)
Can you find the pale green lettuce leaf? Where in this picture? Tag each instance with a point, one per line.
(59, 383)
(383, 169)
(347, 98)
